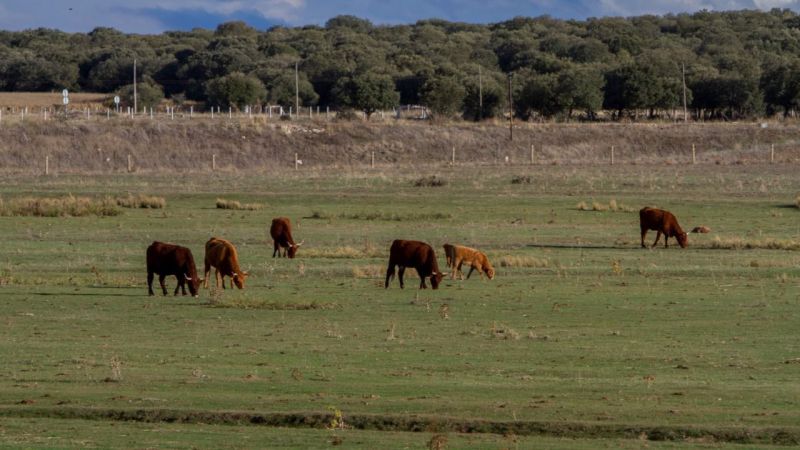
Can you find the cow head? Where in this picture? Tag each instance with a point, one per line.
(682, 240)
(436, 278)
(194, 284)
(293, 249)
(238, 279)
(490, 272)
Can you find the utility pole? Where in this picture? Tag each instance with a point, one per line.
(134, 86)
(683, 74)
(480, 93)
(510, 109)
(296, 90)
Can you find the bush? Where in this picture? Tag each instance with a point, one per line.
(235, 204)
(431, 181)
(521, 179)
(141, 201)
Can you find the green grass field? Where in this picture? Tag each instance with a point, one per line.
(583, 340)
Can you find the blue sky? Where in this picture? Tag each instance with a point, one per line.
(155, 16)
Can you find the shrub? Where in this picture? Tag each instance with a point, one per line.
(521, 179)
(141, 201)
(431, 181)
(236, 205)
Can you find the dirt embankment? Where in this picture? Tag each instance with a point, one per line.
(99, 145)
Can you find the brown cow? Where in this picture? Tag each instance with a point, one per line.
(457, 255)
(418, 255)
(663, 222)
(221, 254)
(169, 259)
(281, 232)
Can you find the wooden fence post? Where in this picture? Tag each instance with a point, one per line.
(612, 155)
(772, 154)
(694, 154)
(130, 164)
(296, 161)
(373, 160)
(533, 154)
(453, 159)
(214, 162)
(47, 165)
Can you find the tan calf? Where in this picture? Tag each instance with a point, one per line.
(457, 255)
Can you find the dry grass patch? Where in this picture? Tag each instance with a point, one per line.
(220, 301)
(237, 205)
(523, 261)
(69, 206)
(142, 201)
(736, 243)
(395, 217)
(370, 271)
(345, 252)
(612, 205)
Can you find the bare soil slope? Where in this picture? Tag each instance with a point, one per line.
(153, 145)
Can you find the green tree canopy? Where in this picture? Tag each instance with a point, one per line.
(236, 89)
(367, 92)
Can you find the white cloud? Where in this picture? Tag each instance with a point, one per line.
(281, 9)
(637, 7)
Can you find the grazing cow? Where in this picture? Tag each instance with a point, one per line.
(457, 255)
(663, 222)
(418, 255)
(221, 254)
(701, 229)
(281, 232)
(168, 259)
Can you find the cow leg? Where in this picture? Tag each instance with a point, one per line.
(206, 272)
(389, 275)
(275, 248)
(658, 236)
(400, 274)
(471, 268)
(163, 286)
(181, 285)
(150, 284)
(644, 234)
(666, 239)
(422, 284)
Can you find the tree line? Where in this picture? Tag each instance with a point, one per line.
(726, 65)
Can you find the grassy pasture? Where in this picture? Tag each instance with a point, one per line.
(582, 335)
